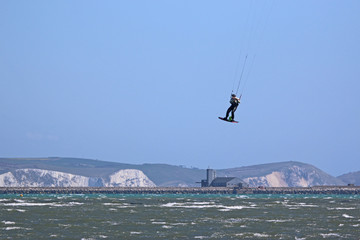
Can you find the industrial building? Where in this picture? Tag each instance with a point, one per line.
(213, 181)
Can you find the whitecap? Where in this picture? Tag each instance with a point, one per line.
(201, 203)
(261, 235)
(179, 224)
(242, 196)
(326, 235)
(28, 204)
(113, 204)
(7, 222)
(167, 226)
(192, 205)
(347, 216)
(280, 220)
(236, 207)
(16, 228)
(12, 228)
(135, 233)
(170, 204)
(224, 210)
(341, 208)
(19, 210)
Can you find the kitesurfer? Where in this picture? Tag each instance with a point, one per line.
(234, 101)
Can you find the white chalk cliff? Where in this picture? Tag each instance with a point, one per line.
(294, 176)
(47, 178)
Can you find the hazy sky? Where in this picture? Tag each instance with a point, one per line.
(145, 81)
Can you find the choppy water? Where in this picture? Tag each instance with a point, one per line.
(179, 217)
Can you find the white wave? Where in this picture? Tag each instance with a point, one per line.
(347, 216)
(11, 228)
(261, 235)
(224, 210)
(167, 227)
(179, 224)
(113, 204)
(194, 205)
(72, 204)
(7, 222)
(23, 204)
(18, 210)
(202, 203)
(135, 233)
(326, 235)
(296, 206)
(280, 220)
(29, 204)
(242, 196)
(307, 205)
(158, 222)
(235, 207)
(16, 228)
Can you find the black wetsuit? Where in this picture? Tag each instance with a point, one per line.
(234, 104)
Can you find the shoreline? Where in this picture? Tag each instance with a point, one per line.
(352, 190)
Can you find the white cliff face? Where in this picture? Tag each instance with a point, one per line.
(294, 176)
(47, 178)
(129, 178)
(41, 178)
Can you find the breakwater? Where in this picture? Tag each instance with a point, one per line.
(181, 190)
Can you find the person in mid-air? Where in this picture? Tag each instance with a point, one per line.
(234, 101)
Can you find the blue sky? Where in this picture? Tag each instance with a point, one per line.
(144, 81)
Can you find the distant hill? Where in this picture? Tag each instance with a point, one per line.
(280, 174)
(160, 174)
(351, 178)
(47, 178)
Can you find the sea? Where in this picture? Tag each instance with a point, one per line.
(149, 216)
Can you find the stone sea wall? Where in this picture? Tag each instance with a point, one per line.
(181, 190)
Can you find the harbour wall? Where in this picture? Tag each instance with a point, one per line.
(181, 190)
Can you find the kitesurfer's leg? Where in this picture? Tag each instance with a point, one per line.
(233, 112)
(228, 111)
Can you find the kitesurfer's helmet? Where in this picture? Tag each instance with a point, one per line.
(233, 95)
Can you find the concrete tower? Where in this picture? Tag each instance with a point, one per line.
(211, 175)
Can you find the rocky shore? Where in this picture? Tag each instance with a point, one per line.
(181, 190)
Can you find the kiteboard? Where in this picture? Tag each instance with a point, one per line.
(224, 119)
